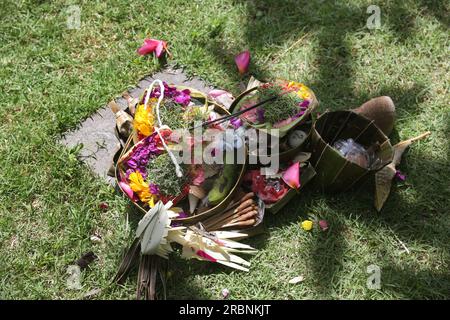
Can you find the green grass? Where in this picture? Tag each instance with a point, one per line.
(52, 78)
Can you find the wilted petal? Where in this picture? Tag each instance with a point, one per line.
(221, 96)
(242, 61)
(323, 224)
(296, 280)
(225, 293)
(292, 176)
(104, 206)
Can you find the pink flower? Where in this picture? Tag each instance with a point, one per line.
(127, 189)
(153, 45)
(292, 176)
(323, 224)
(242, 61)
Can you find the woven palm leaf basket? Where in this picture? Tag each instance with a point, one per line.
(138, 140)
(336, 172)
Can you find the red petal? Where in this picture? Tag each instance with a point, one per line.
(148, 47)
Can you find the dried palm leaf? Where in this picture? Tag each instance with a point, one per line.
(383, 178)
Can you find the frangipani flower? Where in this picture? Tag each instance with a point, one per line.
(153, 45)
(307, 225)
(292, 176)
(242, 61)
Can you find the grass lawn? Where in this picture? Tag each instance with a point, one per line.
(52, 78)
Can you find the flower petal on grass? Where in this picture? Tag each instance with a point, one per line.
(153, 45)
(296, 280)
(242, 61)
(307, 225)
(323, 224)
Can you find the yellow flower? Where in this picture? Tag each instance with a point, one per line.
(141, 188)
(143, 120)
(304, 93)
(307, 225)
(151, 202)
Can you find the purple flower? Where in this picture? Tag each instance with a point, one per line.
(236, 122)
(400, 176)
(304, 104)
(183, 97)
(138, 160)
(154, 189)
(132, 163)
(260, 114)
(181, 215)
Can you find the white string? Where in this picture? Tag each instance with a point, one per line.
(178, 170)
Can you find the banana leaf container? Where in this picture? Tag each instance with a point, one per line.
(307, 173)
(264, 127)
(334, 172)
(132, 142)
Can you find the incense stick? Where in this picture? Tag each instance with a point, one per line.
(225, 118)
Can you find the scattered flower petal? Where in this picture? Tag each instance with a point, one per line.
(104, 206)
(153, 45)
(307, 225)
(323, 224)
(225, 293)
(95, 238)
(292, 176)
(296, 280)
(242, 61)
(400, 176)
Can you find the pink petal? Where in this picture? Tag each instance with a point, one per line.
(323, 224)
(153, 45)
(126, 188)
(221, 96)
(160, 49)
(205, 256)
(199, 178)
(242, 61)
(292, 176)
(148, 47)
